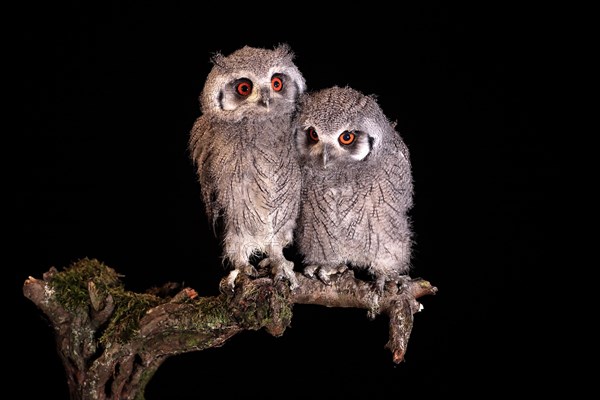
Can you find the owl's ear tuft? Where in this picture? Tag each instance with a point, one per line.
(285, 50)
(374, 97)
(217, 59)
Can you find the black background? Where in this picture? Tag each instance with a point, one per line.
(99, 168)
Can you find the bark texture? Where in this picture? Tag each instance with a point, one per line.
(112, 341)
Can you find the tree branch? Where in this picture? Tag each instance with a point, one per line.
(112, 341)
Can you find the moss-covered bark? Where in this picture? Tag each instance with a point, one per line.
(112, 341)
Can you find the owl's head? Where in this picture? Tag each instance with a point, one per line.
(339, 126)
(252, 82)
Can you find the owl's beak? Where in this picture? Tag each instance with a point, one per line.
(325, 156)
(265, 98)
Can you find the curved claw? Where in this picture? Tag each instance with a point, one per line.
(249, 270)
(264, 263)
(324, 273)
(323, 276)
(228, 283)
(284, 270)
(309, 270)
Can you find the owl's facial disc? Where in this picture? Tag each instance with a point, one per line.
(255, 96)
(337, 148)
(362, 148)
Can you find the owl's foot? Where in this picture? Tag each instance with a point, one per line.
(228, 284)
(281, 269)
(379, 286)
(324, 273)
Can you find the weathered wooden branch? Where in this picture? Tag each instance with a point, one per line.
(399, 302)
(112, 341)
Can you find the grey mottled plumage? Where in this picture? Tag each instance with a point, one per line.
(357, 188)
(243, 148)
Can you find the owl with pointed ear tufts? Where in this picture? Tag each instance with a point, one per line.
(243, 148)
(357, 188)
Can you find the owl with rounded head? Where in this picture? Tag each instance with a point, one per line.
(357, 188)
(243, 148)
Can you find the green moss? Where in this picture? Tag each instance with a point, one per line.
(263, 305)
(146, 377)
(257, 307)
(212, 314)
(71, 284)
(285, 307)
(71, 290)
(129, 310)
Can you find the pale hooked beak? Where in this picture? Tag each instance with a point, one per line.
(265, 98)
(325, 155)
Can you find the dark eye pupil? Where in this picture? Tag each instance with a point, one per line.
(347, 137)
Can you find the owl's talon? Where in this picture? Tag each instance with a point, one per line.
(324, 276)
(380, 286)
(227, 284)
(292, 280)
(309, 271)
(324, 273)
(264, 263)
(249, 270)
(285, 271)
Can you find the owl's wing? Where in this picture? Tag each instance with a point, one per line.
(198, 138)
(200, 145)
(399, 174)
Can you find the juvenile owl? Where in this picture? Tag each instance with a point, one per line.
(243, 148)
(357, 188)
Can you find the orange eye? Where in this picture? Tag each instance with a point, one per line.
(276, 83)
(312, 134)
(243, 87)
(347, 138)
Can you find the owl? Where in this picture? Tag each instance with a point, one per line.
(357, 188)
(243, 148)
